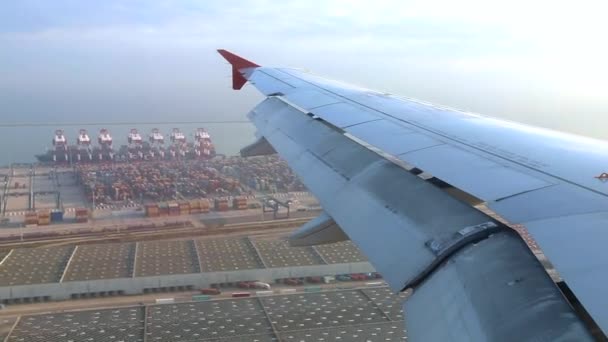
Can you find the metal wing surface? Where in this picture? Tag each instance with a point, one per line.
(360, 151)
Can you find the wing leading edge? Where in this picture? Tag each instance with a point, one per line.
(412, 231)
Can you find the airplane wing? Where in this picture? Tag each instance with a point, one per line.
(399, 177)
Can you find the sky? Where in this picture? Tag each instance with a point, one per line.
(540, 62)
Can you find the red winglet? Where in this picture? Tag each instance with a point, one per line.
(238, 63)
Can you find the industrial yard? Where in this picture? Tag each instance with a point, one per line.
(90, 250)
(147, 291)
(179, 250)
(58, 200)
(63, 188)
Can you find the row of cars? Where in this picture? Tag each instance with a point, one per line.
(330, 279)
(255, 284)
(358, 276)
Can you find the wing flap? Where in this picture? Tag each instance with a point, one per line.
(578, 260)
(352, 184)
(269, 85)
(320, 230)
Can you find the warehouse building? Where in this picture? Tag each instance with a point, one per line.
(55, 273)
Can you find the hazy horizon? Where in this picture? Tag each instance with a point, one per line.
(67, 60)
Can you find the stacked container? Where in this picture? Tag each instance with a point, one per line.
(163, 209)
(82, 215)
(205, 206)
(173, 208)
(221, 204)
(31, 218)
(56, 215)
(44, 218)
(195, 207)
(184, 208)
(239, 203)
(152, 210)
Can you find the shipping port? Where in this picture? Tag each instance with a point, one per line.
(164, 240)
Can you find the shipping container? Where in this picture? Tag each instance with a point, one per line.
(31, 218)
(239, 203)
(184, 208)
(56, 215)
(195, 204)
(173, 208)
(44, 218)
(163, 209)
(82, 215)
(221, 204)
(204, 205)
(82, 219)
(44, 213)
(151, 210)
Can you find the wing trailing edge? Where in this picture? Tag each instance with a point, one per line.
(320, 230)
(260, 147)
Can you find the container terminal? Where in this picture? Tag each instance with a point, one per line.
(158, 242)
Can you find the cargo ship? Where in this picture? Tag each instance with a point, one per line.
(137, 148)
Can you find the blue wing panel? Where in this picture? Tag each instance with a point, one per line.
(344, 115)
(268, 84)
(310, 98)
(479, 176)
(390, 137)
(565, 199)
